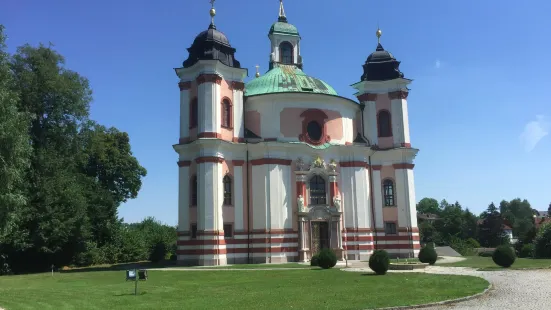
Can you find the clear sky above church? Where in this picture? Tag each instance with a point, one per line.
(479, 105)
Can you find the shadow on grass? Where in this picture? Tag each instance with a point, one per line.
(373, 274)
(122, 266)
(129, 294)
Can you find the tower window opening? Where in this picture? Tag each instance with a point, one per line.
(286, 51)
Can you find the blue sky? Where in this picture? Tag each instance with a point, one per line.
(479, 109)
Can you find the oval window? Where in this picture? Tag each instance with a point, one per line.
(314, 130)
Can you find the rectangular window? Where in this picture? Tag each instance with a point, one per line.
(228, 230)
(194, 231)
(390, 228)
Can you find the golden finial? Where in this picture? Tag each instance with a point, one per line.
(212, 12)
(257, 73)
(379, 34)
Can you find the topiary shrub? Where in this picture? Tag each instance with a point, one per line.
(428, 255)
(379, 261)
(527, 250)
(314, 261)
(504, 256)
(327, 259)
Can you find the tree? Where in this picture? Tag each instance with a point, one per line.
(470, 225)
(519, 215)
(14, 149)
(79, 173)
(491, 229)
(114, 175)
(428, 205)
(542, 242)
(450, 223)
(549, 210)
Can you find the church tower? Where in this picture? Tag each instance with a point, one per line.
(285, 41)
(211, 114)
(383, 93)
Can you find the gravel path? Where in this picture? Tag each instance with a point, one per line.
(512, 289)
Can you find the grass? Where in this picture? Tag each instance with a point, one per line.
(486, 263)
(274, 289)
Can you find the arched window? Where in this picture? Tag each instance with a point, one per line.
(384, 125)
(388, 191)
(193, 113)
(286, 53)
(193, 191)
(227, 190)
(226, 113)
(318, 195)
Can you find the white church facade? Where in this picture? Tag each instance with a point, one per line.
(276, 169)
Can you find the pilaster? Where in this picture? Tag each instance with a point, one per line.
(370, 117)
(400, 123)
(184, 108)
(209, 105)
(238, 124)
(377, 197)
(183, 195)
(209, 211)
(238, 191)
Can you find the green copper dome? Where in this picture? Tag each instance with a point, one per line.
(284, 28)
(287, 79)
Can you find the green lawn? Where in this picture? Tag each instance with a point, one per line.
(486, 263)
(275, 289)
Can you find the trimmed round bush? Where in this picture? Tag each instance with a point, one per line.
(504, 256)
(327, 259)
(314, 261)
(379, 261)
(428, 255)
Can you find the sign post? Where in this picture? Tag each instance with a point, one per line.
(136, 282)
(136, 275)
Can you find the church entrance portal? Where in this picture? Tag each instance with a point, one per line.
(320, 236)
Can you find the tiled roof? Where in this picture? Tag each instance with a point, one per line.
(287, 79)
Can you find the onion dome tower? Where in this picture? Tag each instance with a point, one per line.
(285, 73)
(211, 44)
(381, 65)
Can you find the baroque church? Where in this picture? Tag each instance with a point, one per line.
(278, 168)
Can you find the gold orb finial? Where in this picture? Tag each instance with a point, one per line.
(212, 13)
(379, 33)
(257, 73)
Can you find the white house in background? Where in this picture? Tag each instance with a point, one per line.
(276, 169)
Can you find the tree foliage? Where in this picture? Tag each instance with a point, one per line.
(542, 242)
(428, 206)
(15, 149)
(62, 175)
